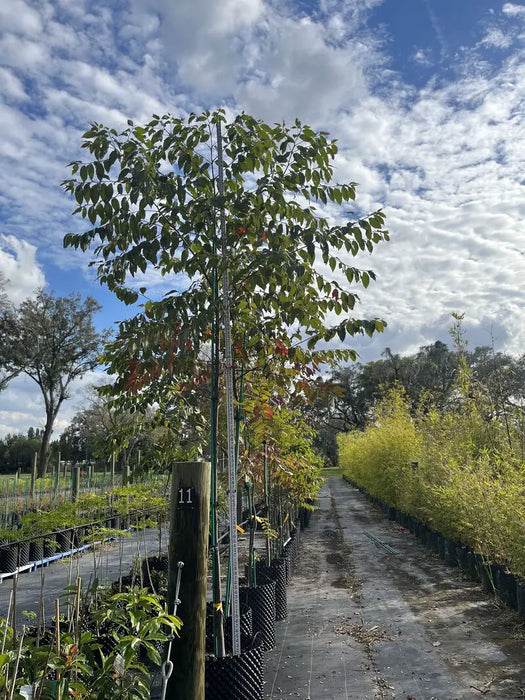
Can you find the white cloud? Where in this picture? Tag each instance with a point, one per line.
(422, 56)
(17, 16)
(11, 88)
(445, 161)
(497, 38)
(513, 10)
(20, 267)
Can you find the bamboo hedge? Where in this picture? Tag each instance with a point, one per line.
(460, 471)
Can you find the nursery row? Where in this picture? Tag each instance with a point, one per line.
(457, 472)
(495, 578)
(44, 533)
(263, 598)
(19, 495)
(115, 641)
(40, 550)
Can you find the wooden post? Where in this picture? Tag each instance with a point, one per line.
(57, 475)
(75, 482)
(126, 473)
(33, 475)
(189, 532)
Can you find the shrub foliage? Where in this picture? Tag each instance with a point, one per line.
(457, 470)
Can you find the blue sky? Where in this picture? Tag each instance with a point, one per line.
(426, 99)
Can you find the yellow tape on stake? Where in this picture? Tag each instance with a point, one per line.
(240, 529)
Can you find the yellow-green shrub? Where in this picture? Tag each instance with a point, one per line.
(379, 458)
(468, 483)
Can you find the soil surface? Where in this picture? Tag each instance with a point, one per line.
(368, 623)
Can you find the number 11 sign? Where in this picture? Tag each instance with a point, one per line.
(187, 497)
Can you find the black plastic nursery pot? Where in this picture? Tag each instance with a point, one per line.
(262, 602)
(462, 557)
(472, 566)
(50, 546)
(403, 519)
(304, 517)
(423, 534)
(292, 547)
(78, 536)
(520, 595)
(246, 625)
(9, 558)
(450, 552)
(156, 562)
(433, 541)
(487, 574)
(64, 540)
(23, 553)
(288, 567)
(275, 572)
(290, 552)
(235, 677)
(36, 550)
(506, 587)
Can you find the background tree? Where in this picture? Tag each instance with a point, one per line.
(105, 431)
(430, 376)
(17, 451)
(53, 341)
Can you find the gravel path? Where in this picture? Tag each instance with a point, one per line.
(365, 623)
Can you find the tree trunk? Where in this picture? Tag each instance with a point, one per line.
(43, 454)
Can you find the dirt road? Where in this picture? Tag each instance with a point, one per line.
(366, 622)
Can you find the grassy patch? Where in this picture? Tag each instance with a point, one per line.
(331, 472)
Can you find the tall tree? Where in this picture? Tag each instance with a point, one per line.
(151, 195)
(53, 341)
(237, 206)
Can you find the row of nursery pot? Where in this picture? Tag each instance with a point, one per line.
(57, 511)
(459, 470)
(38, 549)
(494, 577)
(262, 603)
(44, 533)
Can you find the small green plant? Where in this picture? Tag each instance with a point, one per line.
(78, 663)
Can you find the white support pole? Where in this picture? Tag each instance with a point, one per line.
(230, 420)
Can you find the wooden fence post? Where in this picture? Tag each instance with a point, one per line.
(75, 483)
(189, 534)
(33, 476)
